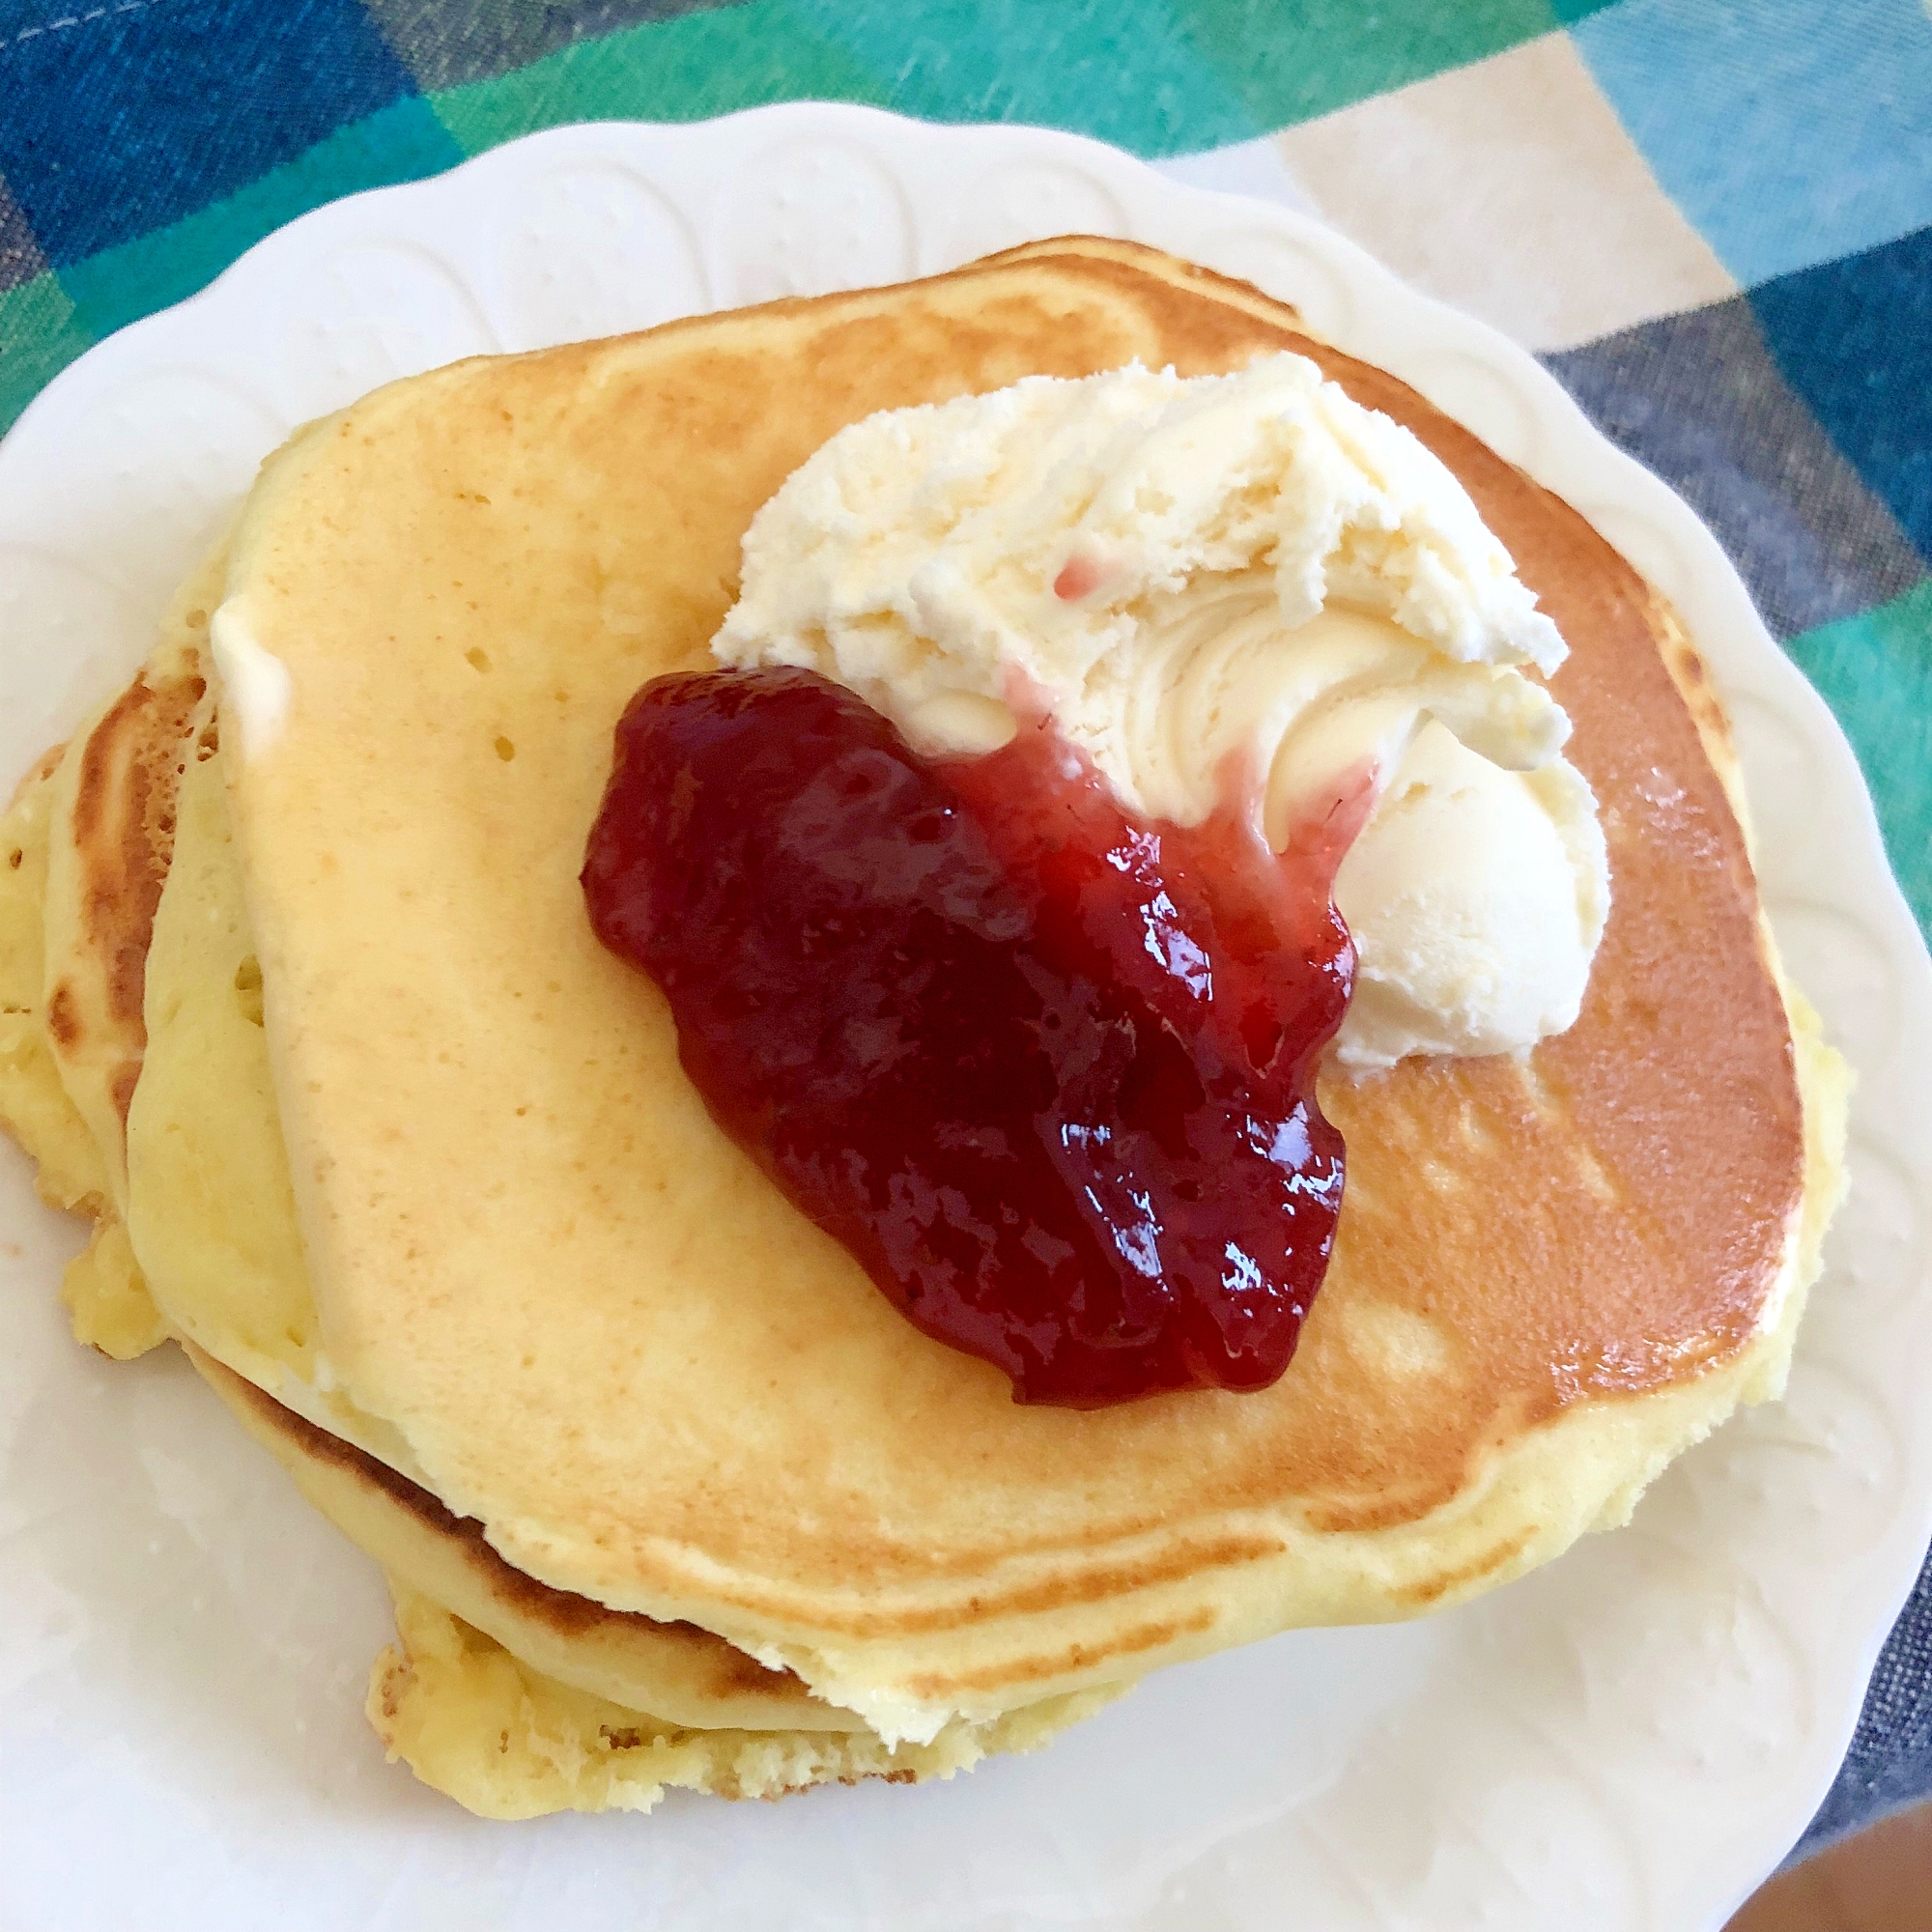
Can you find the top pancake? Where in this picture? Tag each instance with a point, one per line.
(604, 1334)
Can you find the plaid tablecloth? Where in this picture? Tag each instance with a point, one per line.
(1709, 218)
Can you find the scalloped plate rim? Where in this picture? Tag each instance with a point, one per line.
(1745, 652)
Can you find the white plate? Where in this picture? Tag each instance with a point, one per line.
(1629, 1739)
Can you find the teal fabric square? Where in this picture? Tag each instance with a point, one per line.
(1123, 74)
(1875, 671)
(702, 63)
(1291, 62)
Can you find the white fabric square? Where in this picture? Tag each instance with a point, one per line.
(1510, 188)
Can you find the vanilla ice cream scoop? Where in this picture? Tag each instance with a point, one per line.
(1476, 897)
(1232, 592)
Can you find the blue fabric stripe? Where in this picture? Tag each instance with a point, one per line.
(132, 120)
(1852, 337)
(1700, 399)
(1789, 131)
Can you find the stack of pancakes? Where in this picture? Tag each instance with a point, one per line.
(300, 1003)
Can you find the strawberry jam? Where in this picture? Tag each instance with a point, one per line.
(1048, 1069)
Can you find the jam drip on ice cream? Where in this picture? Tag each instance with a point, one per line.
(1045, 1067)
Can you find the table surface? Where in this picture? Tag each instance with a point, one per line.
(1712, 219)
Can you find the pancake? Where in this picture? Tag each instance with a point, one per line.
(513, 1262)
(102, 1285)
(708, 1412)
(477, 1722)
(256, 1307)
(87, 844)
(578, 1705)
(684, 1673)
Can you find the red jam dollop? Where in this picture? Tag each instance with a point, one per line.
(1047, 1068)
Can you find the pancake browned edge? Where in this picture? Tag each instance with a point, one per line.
(504, 1690)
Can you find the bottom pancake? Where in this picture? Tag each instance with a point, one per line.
(516, 1699)
(676, 1670)
(507, 1742)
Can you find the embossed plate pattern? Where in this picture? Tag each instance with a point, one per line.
(1629, 1739)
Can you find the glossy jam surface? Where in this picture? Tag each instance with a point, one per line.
(1047, 1070)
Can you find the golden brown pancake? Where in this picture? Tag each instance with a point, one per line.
(578, 1317)
(605, 1335)
(633, 1705)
